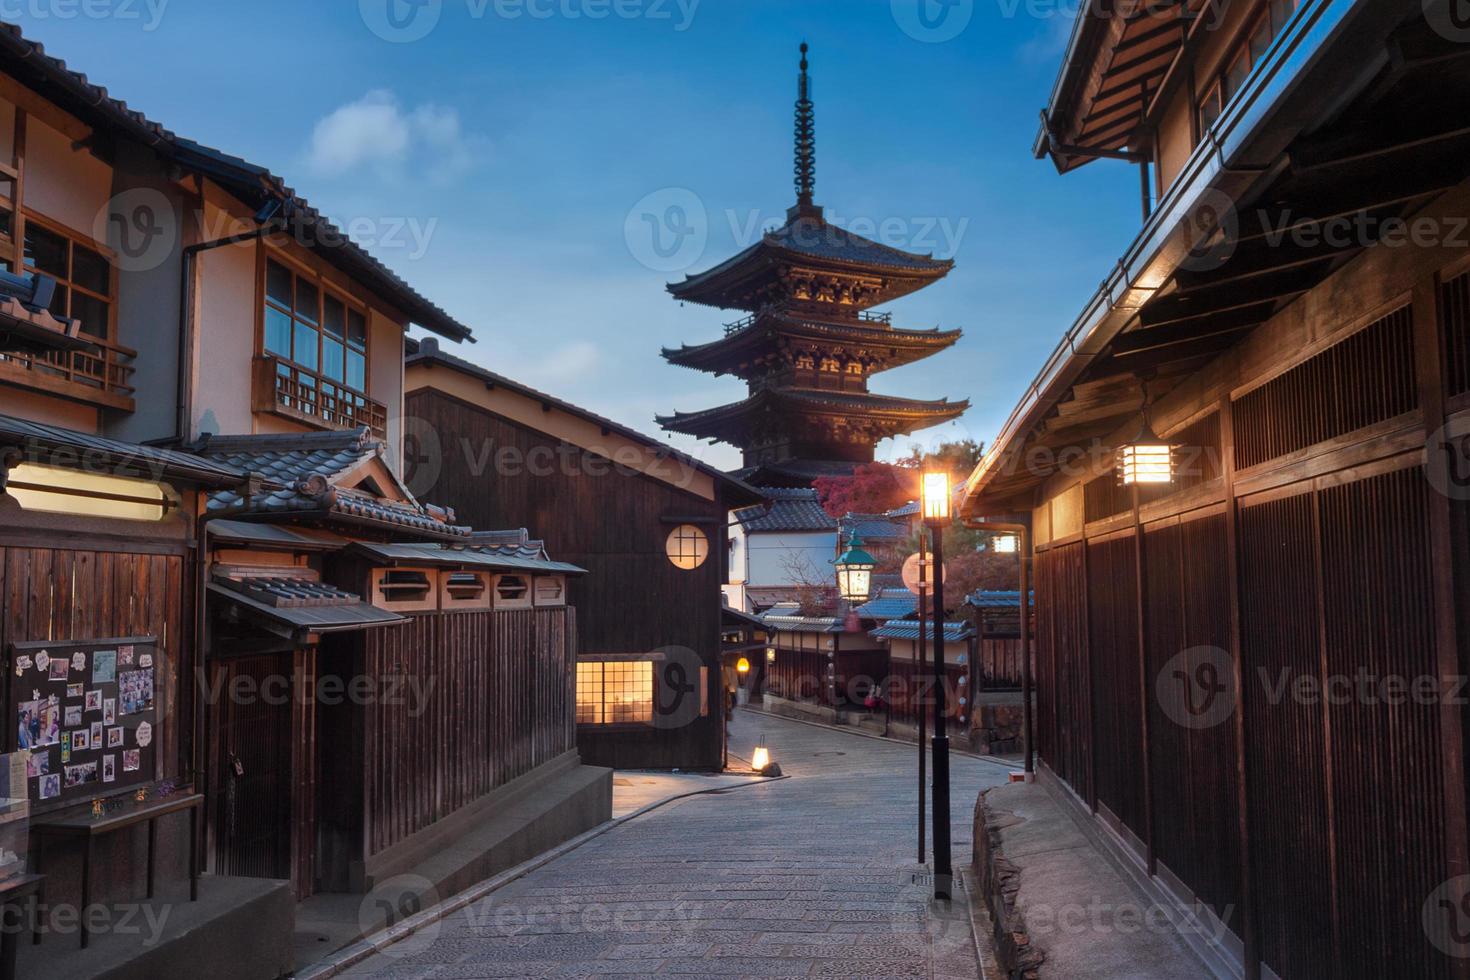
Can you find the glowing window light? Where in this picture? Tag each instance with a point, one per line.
(59, 490)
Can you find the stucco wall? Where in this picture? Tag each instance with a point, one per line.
(771, 555)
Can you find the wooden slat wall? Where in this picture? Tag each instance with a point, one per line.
(1000, 661)
(1117, 702)
(800, 675)
(1063, 666)
(909, 687)
(500, 701)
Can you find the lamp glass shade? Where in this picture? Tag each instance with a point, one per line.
(742, 666)
(855, 572)
(935, 493)
(1007, 544)
(770, 655)
(760, 758)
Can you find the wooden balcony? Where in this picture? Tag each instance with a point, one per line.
(99, 373)
(293, 392)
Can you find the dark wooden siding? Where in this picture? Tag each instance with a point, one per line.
(499, 694)
(1063, 666)
(1117, 702)
(614, 523)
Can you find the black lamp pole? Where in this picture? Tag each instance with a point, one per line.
(943, 873)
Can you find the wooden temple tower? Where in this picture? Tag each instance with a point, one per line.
(811, 340)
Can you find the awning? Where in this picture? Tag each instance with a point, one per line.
(273, 535)
(504, 560)
(300, 621)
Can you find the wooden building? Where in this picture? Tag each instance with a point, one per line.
(809, 341)
(167, 572)
(647, 522)
(910, 685)
(1297, 306)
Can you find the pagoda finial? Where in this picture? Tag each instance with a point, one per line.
(806, 137)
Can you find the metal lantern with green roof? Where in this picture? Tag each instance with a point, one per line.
(855, 572)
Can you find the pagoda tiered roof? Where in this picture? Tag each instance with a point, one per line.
(877, 416)
(751, 346)
(808, 258)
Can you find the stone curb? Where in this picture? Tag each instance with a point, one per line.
(350, 956)
(997, 882)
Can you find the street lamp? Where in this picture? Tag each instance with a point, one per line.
(855, 572)
(936, 505)
(1145, 458)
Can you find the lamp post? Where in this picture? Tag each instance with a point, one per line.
(936, 508)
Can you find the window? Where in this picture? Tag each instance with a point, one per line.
(405, 589)
(550, 590)
(464, 590)
(687, 547)
(512, 592)
(1249, 52)
(83, 277)
(314, 329)
(615, 692)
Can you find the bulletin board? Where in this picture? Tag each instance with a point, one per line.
(66, 695)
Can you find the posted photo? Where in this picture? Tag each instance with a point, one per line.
(135, 691)
(79, 774)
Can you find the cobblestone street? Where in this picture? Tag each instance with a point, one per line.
(807, 876)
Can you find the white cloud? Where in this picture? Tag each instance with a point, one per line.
(376, 131)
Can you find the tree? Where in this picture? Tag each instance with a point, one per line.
(959, 457)
(873, 488)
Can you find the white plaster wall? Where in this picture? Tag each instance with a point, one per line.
(770, 556)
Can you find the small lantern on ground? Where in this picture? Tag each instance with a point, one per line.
(855, 572)
(760, 759)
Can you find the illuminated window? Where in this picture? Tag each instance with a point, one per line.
(65, 491)
(615, 692)
(688, 547)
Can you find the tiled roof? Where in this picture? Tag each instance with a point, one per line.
(874, 527)
(323, 618)
(997, 600)
(910, 509)
(55, 446)
(300, 473)
(788, 623)
(818, 238)
(889, 604)
(789, 510)
(28, 61)
(908, 629)
(510, 558)
(283, 591)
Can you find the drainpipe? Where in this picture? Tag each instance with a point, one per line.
(1023, 534)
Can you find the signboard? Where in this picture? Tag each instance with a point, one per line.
(911, 573)
(85, 712)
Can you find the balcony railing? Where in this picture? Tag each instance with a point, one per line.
(864, 316)
(294, 392)
(100, 373)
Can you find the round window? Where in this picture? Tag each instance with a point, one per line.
(688, 547)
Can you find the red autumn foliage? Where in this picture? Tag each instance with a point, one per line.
(873, 488)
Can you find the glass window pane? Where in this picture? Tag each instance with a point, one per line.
(1260, 40)
(89, 270)
(357, 330)
(45, 251)
(278, 283)
(306, 301)
(332, 364)
(356, 371)
(92, 313)
(1281, 11)
(304, 347)
(334, 317)
(277, 332)
(1240, 69)
(58, 300)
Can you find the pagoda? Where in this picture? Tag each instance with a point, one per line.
(810, 340)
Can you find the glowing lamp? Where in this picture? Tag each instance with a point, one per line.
(855, 572)
(770, 655)
(1145, 459)
(742, 666)
(760, 758)
(1007, 544)
(935, 494)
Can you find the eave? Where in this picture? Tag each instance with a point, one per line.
(1174, 302)
(754, 343)
(899, 415)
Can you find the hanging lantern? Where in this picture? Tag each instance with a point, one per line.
(742, 666)
(1145, 459)
(770, 655)
(855, 572)
(935, 494)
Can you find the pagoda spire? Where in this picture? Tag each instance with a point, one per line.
(806, 138)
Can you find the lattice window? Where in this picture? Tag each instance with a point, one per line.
(1366, 378)
(687, 547)
(1454, 314)
(615, 692)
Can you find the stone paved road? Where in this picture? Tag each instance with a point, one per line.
(810, 876)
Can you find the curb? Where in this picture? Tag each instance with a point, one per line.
(350, 956)
(849, 730)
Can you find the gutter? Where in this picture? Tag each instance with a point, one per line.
(1217, 165)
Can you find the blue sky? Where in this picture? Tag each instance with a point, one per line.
(502, 162)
